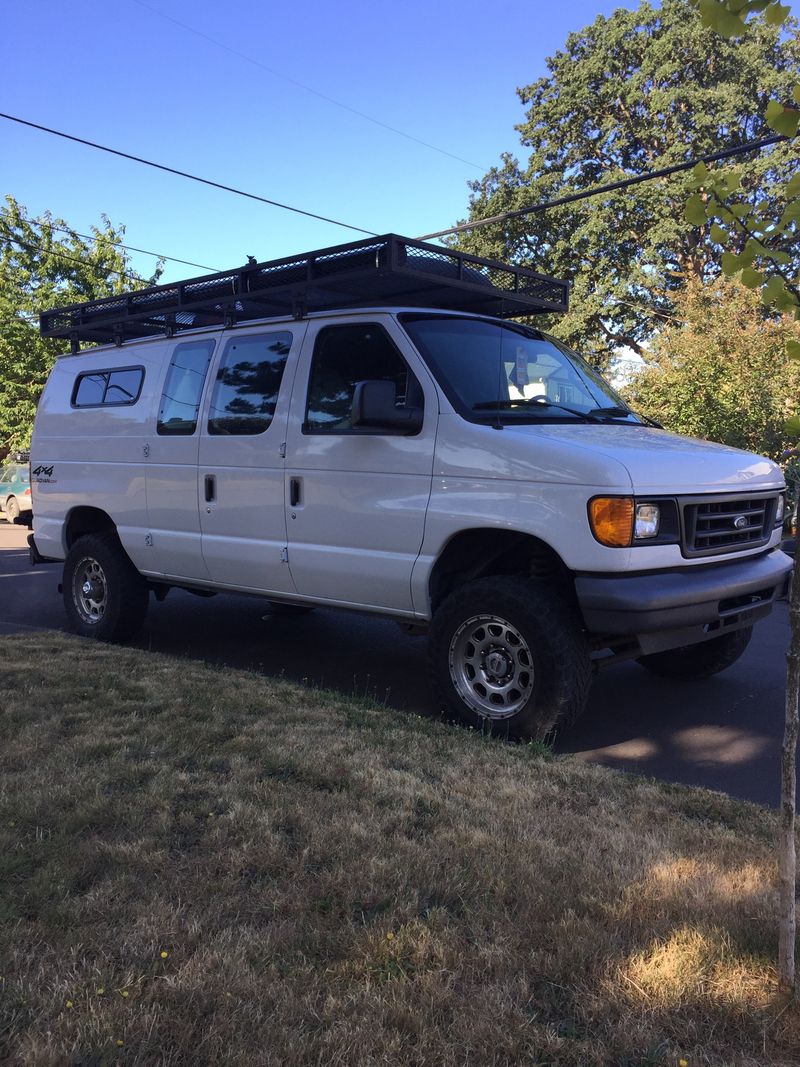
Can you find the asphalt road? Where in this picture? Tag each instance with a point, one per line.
(723, 733)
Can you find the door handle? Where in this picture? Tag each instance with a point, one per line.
(210, 488)
(294, 492)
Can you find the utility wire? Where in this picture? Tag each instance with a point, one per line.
(70, 259)
(184, 174)
(623, 183)
(307, 88)
(727, 153)
(143, 251)
(128, 248)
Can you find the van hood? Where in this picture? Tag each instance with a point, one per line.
(660, 461)
(615, 456)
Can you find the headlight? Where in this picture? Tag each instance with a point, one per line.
(648, 517)
(623, 521)
(781, 509)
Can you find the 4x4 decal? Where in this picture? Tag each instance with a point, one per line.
(43, 475)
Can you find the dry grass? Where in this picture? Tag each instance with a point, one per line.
(205, 866)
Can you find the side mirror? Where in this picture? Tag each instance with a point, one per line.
(374, 407)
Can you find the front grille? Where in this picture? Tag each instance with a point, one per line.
(727, 524)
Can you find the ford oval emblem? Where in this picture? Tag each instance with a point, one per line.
(740, 522)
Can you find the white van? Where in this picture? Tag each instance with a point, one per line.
(364, 427)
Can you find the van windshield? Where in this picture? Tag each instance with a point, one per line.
(494, 371)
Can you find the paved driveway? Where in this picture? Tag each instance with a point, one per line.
(723, 733)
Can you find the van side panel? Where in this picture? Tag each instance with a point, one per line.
(93, 455)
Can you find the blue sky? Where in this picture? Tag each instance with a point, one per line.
(125, 73)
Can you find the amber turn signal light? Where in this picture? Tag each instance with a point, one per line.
(611, 519)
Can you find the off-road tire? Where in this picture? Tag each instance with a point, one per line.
(11, 509)
(115, 609)
(548, 671)
(702, 660)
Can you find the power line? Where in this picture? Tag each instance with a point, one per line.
(184, 174)
(128, 248)
(143, 251)
(70, 259)
(307, 88)
(623, 183)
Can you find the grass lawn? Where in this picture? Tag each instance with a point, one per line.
(203, 866)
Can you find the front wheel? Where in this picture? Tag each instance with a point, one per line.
(104, 595)
(701, 660)
(12, 509)
(509, 656)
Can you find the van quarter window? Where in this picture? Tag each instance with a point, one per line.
(108, 387)
(248, 380)
(183, 388)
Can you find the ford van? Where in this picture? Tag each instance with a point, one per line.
(368, 427)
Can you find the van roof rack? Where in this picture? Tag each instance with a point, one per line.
(388, 271)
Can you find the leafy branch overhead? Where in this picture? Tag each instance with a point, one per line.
(759, 238)
(730, 17)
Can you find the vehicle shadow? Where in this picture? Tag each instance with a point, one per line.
(722, 733)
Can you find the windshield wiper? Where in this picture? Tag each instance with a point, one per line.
(618, 412)
(648, 421)
(534, 401)
(612, 412)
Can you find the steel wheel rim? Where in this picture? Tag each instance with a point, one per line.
(491, 666)
(90, 591)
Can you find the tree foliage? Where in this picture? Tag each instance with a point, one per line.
(634, 92)
(45, 264)
(722, 371)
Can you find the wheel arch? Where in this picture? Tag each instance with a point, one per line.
(85, 520)
(484, 552)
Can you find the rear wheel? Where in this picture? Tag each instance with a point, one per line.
(509, 656)
(702, 660)
(11, 509)
(104, 595)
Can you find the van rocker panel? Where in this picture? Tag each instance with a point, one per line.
(644, 603)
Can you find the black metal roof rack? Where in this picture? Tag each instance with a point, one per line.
(388, 271)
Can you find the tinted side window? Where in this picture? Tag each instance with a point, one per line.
(248, 380)
(343, 357)
(89, 390)
(124, 386)
(108, 387)
(183, 388)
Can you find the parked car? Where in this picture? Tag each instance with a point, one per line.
(15, 489)
(363, 427)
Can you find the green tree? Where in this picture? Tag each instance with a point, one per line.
(720, 370)
(45, 264)
(634, 92)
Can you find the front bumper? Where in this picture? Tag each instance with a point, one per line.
(732, 594)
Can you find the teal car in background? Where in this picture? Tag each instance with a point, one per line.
(15, 489)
